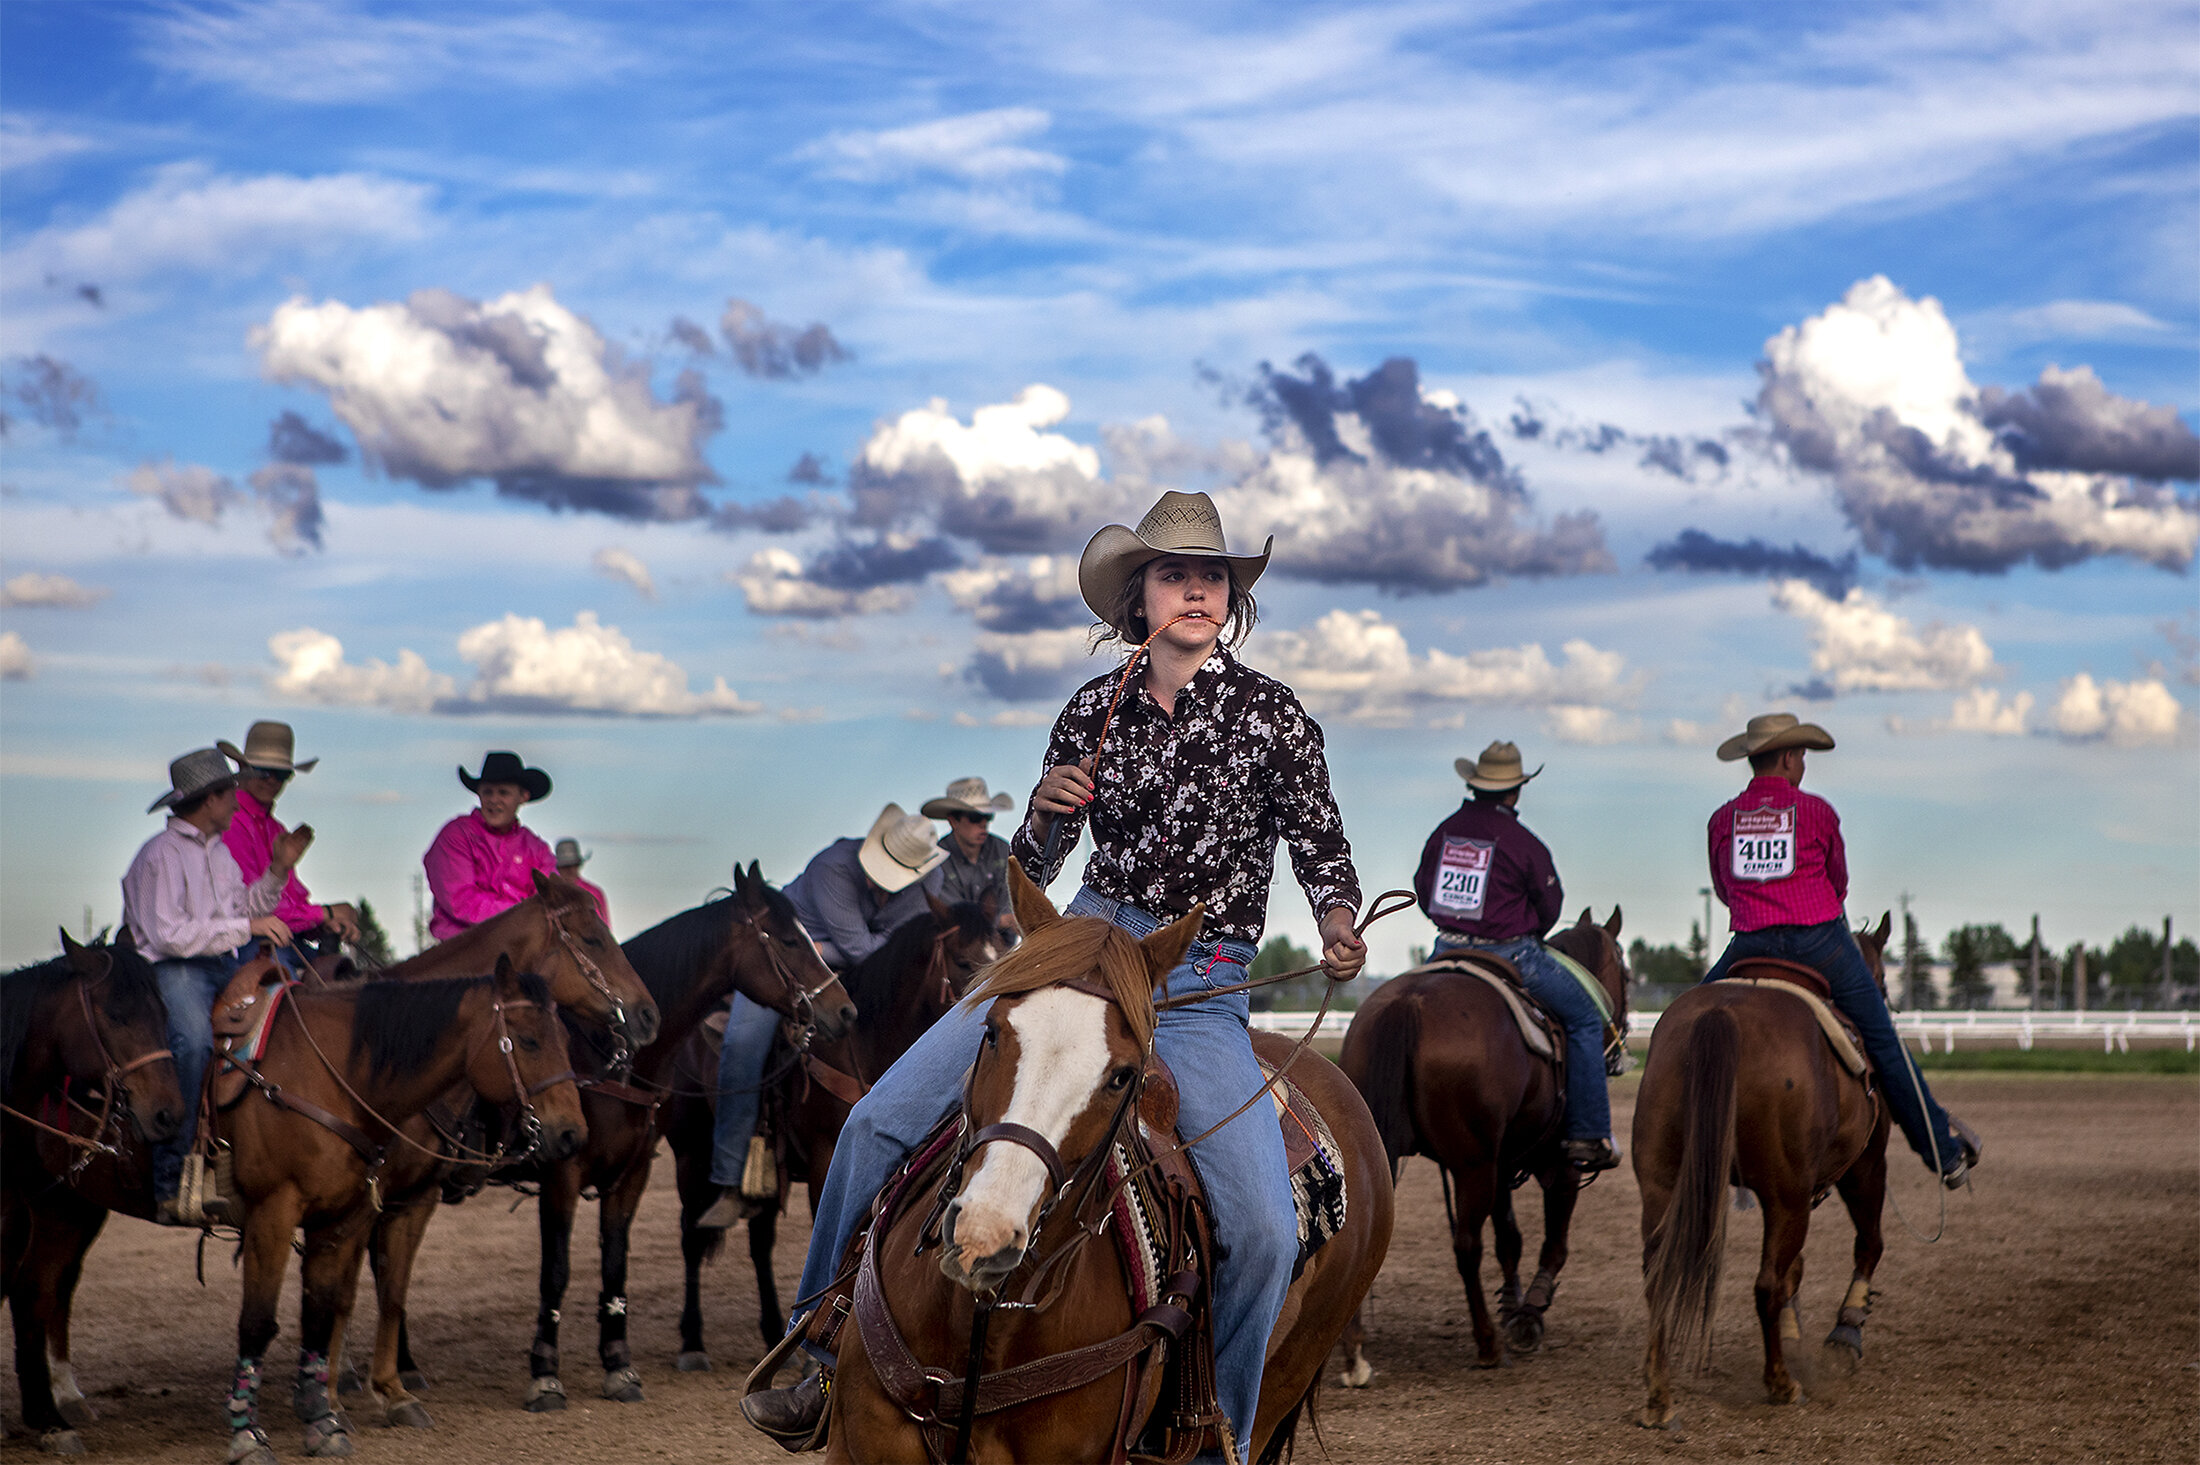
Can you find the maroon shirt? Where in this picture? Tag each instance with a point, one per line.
(1484, 875)
(1777, 857)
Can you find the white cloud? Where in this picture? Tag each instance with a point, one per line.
(16, 661)
(774, 583)
(1858, 645)
(521, 390)
(59, 591)
(26, 142)
(190, 218)
(1025, 665)
(2069, 320)
(1980, 710)
(310, 666)
(625, 566)
(1360, 664)
(1033, 593)
(2136, 713)
(978, 146)
(1934, 471)
(520, 666)
(187, 490)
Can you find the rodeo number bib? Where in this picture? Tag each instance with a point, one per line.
(1764, 843)
(1463, 876)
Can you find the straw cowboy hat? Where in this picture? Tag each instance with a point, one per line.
(569, 855)
(197, 773)
(968, 796)
(1181, 523)
(506, 768)
(268, 745)
(1496, 770)
(1770, 733)
(900, 850)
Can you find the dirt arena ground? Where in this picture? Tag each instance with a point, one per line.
(2059, 1321)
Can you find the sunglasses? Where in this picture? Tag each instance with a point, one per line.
(280, 775)
(971, 818)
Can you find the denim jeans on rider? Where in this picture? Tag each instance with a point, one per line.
(1242, 1165)
(188, 989)
(1588, 1100)
(749, 1030)
(1830, 949)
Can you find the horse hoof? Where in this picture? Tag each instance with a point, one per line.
(623, 1386)
(696, 1361)
(1848, 1342)
(77, 1410)
(328, 1439)
(1655, 1416)
(61, 1442)
(415, 1381)
(250, 1447)
(1357, 1374)
(544, 1396)
(1792, 1394)
(409, 1415)
(1493, 1360)
(1526, 1333)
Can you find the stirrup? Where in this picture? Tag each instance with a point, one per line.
(760, 1381)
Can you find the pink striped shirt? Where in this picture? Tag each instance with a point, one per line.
(251, 839)
(1777, 857)
(476, 872)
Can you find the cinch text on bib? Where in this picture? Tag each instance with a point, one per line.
(1764, 843)
(1463, 877)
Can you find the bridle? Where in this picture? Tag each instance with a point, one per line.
(802, 999)
(622, 1055)
(114, 1086)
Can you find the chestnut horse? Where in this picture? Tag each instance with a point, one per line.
(900, 990)
(1742, 1088)
(342, 1069)
(83, 1050)
(1443, 1067)
(1065, 1059)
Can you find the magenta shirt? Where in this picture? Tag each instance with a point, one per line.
(1777, 857)
(251, 839)
(603, 905)
(475, 873)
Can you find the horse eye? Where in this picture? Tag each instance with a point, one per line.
(530, 1045)
(992, 1036)
(1121, 1078)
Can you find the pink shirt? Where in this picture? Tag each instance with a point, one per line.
(603, 906)
(1777, 857)
(475, 872)
(251, 839)
(183, 896)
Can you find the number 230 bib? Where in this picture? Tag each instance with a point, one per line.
(1764, 843)
(1463, 877)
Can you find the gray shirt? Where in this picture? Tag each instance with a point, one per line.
(839, 907)
(970, 880)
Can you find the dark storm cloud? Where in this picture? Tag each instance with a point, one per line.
(1694, 550)
(767, 348)
(2069, 420)
(53, 394)
(693, 336)
(864, 566)
(291, 495)
(292, 439)
(809, 468)
(783, 515)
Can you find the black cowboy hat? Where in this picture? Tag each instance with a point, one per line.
(506, 768)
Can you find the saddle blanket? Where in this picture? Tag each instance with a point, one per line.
(241, 1019)
(1830, 1022)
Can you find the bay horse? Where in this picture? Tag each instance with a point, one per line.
(342, 1069)
(83, 1051)
(1444, 1069)
(1066, 1058)
(900, 990)
(1742, 1088)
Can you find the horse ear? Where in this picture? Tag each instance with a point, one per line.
(1165, 948)
(70, 946)
(756, 872)
(989, 905)
(1611, 927)
(543, 885)
(1587, 919)
(941, 910)
(1033, 909)
(1886, 925)
(740, 881)
(504, 978)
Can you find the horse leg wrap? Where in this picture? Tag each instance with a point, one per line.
(1791, 1328)
(310, 1399)
(244, 1397)
(1540, 1292)
(1859, 1295)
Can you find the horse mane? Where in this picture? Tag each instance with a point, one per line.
(671, 956)
(1077, 949)
(870, 982)
(1585, 944)
(561, 897)
(398, 1025)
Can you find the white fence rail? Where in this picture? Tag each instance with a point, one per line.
(2116, 1031)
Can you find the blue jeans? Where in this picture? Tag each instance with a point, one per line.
(1830, 950)
(1241, 1165)
(749, 1031)
(188, 989)
(1588, 1101)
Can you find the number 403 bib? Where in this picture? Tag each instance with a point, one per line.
(1764, 843)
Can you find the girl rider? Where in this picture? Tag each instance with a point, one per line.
(1207, 764)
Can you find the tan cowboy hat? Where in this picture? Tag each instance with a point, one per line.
(900, 850)
(569, 855)
(968, 796)
(269, 745)
(1771, 732)
(1181, 523)
(197, 773)
(1496, 770)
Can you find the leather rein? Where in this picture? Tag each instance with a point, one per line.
(113, 1084)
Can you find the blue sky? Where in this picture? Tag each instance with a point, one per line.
(437, 379)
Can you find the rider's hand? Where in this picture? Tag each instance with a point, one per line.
(1343, 952)
(292, 847)
(273, 929)
(1066, 788)
(343, 920)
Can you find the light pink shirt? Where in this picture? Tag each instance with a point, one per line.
(476, 872)
(184, 895)
(251, 839)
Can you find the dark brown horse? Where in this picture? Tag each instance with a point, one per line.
(83, 1050)
(1443, 1067)
(343, 1068)
(1080, 991)
(1742, 1088)
(900, 990)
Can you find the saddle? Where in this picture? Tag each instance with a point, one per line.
(1807, 985)
(242, 1017)
(1543, 1034)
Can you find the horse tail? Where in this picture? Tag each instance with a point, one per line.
(1388, 1085)
(1681, 1272)
(1283, 1443)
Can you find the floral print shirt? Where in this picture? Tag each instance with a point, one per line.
(1189, 807)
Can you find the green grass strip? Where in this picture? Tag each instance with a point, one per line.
(2059, 1060)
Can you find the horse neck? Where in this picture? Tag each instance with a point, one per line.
(396, 1097)
(910, 1016)
(42, 1063)
(728, 973)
